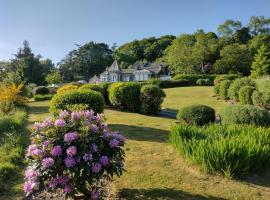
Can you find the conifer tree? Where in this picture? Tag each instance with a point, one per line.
(261, 63)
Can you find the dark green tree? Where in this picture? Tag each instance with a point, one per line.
(259, 25)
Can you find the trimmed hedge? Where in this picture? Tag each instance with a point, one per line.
(192, 78)
(63, 101)
(204, 82)
(224, 77)
(234, 150)
(223, 89)
(261, 99)
(151, 99)
(94, 87)
(40, 97)
(41, 90)
(245, 114)
(245, 94)
(216, 90)
(237, 84)
(67, 87)
(197, 114)
(125, 96)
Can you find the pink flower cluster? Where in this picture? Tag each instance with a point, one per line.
(74, 141)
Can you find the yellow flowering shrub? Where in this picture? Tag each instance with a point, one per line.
(11, 94)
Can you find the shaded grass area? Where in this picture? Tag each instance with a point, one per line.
(177, 98)
(155, 170)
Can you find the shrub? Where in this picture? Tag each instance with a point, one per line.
(261, 99)
(105, 92)
(40, 97)
(233, 150)
(197, 114)
(66, 88)
(192, 78)
(204, 82)
(125, 96)
(174, 83)
(216, 90)
(151, 99)
(77, 153)
(223, 89)
(224, 77)
(263, 84)
(94, 87)
(245, 114)
(6, 170)
(63, 101)
(245, 94)
(236, 85)
(41, 90)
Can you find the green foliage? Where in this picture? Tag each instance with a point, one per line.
(256, 42)
(228, 28)
(54, 77)
(245, 94)
(223, 89)
(86, 61)
(234, 59)
(43, 97)
(259, 25)
(216, 89)
(263, 84)
(41, 90)
(245, 114)
(237, 84)
(234, 151)
(224, 77)
(261, 99)
(66, 88)
(125, 96)
(6, 170)
(261, 64)
(151, 99)
(192, 78)
(63, 101)
(94, 87)
(204, 82)
(197, 114)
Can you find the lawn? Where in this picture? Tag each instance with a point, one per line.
(185, 96)
(155, 170)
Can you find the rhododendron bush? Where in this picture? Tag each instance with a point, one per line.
(75, 152)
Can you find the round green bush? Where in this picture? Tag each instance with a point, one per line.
(151, 99)
(204, 82)
(261, 99)
(125, 96)
(245, 114)
(41, 90)
(64, 101)
(245, 94)
(223, 89)
(197, 114)
(216, 90)
(94, 87)
(236, 85)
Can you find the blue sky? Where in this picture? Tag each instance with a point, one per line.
(53, 27)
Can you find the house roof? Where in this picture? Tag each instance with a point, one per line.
(128, 71)
(114, 67)
(94, 79)
(142, 70)
(155, 67)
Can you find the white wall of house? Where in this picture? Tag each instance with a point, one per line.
(141, 75)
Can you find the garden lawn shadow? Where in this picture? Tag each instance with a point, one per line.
(141, 133)
(165, 194)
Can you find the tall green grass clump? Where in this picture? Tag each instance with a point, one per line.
(232, 150)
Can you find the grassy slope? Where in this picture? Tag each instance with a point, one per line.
(154, 168)
(184, 96)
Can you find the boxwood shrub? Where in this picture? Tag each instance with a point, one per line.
(94, 87)
(237, 84)
(245, 114)
(216, 89)
(151, 99)
(65, 100)
(125, 96)
(223, 89)
(231, 150)
(245, 94)
(192, 78)
(43, 97)
(204, 82)
(197, 114)
(224, 77)
(67, 87)
(41, 90)
(261, 99)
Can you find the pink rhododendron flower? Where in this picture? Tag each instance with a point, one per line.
(69, 137)
(94, 128)
(71, 151)
(94, 194)
(70, 162)
(47, 162)
(28, 186)
(59, 123)
(56, 151)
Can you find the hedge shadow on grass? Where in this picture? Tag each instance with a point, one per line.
(161, 193)
(141, 133)
(38, 109)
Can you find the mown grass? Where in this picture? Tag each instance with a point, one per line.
(177, 98)
(155, 170)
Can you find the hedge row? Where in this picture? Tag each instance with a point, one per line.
(193, 78)
(234, 150)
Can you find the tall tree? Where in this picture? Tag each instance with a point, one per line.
(86, 61)
(259, 25)
(228, 28)
(234, 58)
(54, 77)
(257, 41)
(261, 63)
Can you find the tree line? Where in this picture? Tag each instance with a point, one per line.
(235, 48)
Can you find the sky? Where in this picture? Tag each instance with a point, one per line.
(53, 27)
